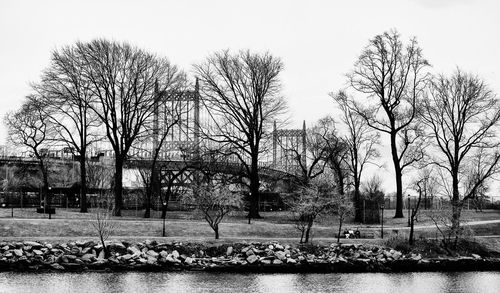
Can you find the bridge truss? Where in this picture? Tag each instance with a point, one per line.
(180, 148)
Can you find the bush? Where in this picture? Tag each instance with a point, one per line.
(399, 242)
(436, 247)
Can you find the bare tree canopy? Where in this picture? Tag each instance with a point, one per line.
(320, 142)
(242, 94)
(335, 152)
(462, 115)
(123, 81)
(311, 201)
(170, 112)
(214, 201)
(393, 76)
(361, 141)
(425, 184)
(67, 99)
(30, 129)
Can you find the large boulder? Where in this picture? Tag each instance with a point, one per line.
(57, 266)
(252, 259)
(280, 255)
(88, 257)
(33, 244)
(117, 246)
(17, 252)
(152, 253)
(133, 250)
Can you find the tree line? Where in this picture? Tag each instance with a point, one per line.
(110, 91)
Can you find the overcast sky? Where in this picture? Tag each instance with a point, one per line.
(318, 41)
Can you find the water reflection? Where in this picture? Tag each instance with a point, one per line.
(483, 282)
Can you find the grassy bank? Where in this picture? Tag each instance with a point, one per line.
(69, 224)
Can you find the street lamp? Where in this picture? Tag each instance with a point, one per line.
(408, 210)
(164, 206)
(12, 209)
(11, 202)
(382, 206)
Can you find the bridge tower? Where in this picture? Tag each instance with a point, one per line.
(182, 139)
(289, 147)
(186, 133)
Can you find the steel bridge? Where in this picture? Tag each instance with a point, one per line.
(279, 162)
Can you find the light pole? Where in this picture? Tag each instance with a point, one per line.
(48, 202)
(11, 206)
(408, 210)
(164, 216)
(249, 218)
(382, 227)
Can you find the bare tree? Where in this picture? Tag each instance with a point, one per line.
(104, 226)
(335, 153)
(123, 80)
(361, 143)
(214, 201)
(99, 175)
(170, 112)
(67, 97)
(472, 175)
(310, 202)
(343, 207)
(100, 179)
(373, 185)
(462, 113)
(372, 195)
(242, 95)
(317, 149)
(393, 75)
(425, 185)
(29, 128)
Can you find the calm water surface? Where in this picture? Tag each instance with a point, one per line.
(191, 282)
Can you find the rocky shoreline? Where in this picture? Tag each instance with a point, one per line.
(272, 257)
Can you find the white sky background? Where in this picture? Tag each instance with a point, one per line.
(318, 41)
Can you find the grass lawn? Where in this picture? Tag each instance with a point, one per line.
(238, 217)
(70, 224)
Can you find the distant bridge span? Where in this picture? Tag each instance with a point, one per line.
(288, 145)
(268, 171)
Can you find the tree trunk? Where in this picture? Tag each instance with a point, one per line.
(339, 177)
(358, 211)
(149, 193)
(83, 183)
(456, 205)
(254, 191)
(216, 230)
(412, 222)
(308, 231)
(340, 230)
(152, 190)
(105, 249)
(398, 174)
(118, 188)
(147, 202)
(45, 179)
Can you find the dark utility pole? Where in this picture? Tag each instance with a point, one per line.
(408, 210)
(382, 227)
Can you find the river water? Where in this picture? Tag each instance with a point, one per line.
(192, 282)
